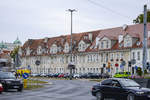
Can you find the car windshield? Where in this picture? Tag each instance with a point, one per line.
(7, 76)
(129, 83)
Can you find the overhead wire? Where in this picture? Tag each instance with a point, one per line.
(108, 9)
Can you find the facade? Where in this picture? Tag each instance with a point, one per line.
(101, 51)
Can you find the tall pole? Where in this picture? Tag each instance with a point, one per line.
(71, 11)
(145, 39)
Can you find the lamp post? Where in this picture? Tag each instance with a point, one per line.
(70, 67)
(145, 40)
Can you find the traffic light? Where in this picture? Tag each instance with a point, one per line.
(147, 65)
(129, 63)
(104, 65)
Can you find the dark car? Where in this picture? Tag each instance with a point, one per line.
(93, 75)
(120, 89)
(105, 75)
(9, 81)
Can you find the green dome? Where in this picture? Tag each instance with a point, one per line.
(17, 41)
(2, 45)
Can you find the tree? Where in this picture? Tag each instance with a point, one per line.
(139, 18)
(14, 52)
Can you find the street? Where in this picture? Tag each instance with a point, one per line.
(59, 90)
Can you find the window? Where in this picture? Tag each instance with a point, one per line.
(112, 56)
(106, 82)
(138, 55)
(97, 58)
(115, 83)
(107, 44)
(102, 44)
(107, 57)
(121, 55)
(117, 55)
(133, 55)
(102, 57)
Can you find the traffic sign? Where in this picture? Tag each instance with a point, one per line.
(37, 62)
(25, 75)
(123, 63)
(116, 64)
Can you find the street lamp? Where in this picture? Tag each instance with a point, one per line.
(70, 66)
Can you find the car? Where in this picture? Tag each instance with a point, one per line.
(67, 75)
(105, 75)
(122, 75)
(43, 75)
(76, 75)
(1, 88)
(9, 81)
(120, 89)
(34, 75)
(60, 75)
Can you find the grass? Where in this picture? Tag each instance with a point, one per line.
(30, 87)
(37, 81)
(34, 84)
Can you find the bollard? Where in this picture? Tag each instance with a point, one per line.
(25, 83)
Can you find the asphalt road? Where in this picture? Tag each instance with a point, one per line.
(59, 90)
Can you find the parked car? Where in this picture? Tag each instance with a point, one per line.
(43, 75)
(122, 75)
(60, 75)
(66, 75)
(120, 89)
(1, 88)
(93, 75)
(84, 75)
(34, 75)
(76, 75)
(9, 81)
(105, 75)
(49, 75)
(56, 75)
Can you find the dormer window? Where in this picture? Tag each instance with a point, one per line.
(127, 41)
(85, 37)
(53, 49)
(66, 49)
(39, 50)
(82, 46)
(28, 51)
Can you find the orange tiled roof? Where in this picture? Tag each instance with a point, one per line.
(112, 33)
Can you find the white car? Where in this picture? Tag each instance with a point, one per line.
(76, 75)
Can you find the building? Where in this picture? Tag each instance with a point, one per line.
(10, 46)
(6, 62)
(101, 51)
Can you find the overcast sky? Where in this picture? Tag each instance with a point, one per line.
(47, 18)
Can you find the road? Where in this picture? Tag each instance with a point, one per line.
(59, 90)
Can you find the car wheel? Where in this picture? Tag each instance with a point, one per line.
(130, 96)
(20, 90)
(99, 96)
